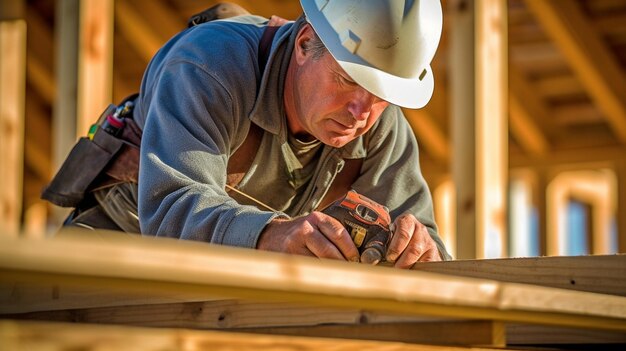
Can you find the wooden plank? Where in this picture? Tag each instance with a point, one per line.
(491, 127)
(528, 116)
(170, 266)
(216, 314)
(589, 57)
(528, 334)
(12, 91)
(473, 333)
(65, 110)
(95, 62)
(59, 336)
(599, 274)
(462, 113)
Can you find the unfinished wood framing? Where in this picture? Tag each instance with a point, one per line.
(12, 91)
(64, 126)
(170, 266)
(479, 111)
(95, 62)
(462, 109)
(596, 188)
(491, 127)
(588, 56)
(61, 336)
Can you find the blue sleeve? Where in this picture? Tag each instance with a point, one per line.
(190, 122)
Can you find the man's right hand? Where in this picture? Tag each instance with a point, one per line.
(315, 234)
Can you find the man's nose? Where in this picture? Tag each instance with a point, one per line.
(361, 104)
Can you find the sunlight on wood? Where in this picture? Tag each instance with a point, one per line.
(595, 187)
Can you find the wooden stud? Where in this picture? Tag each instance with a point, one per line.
(12, 91)
(95, 59)
(528, 115)
(491, 127)
(597, 274)
(462, 109)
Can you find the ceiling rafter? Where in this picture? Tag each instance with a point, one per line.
(137, 31)
(588, 56)
(525, 109)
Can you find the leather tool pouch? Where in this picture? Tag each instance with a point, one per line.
(85, 162)
(102, 160)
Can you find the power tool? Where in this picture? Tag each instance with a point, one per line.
(368, 223)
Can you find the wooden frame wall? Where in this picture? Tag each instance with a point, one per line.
(12, 93)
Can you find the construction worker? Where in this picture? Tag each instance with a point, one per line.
(317, 111)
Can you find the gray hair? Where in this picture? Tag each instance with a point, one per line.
(315, 45)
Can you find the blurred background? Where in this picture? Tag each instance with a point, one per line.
(523, 143)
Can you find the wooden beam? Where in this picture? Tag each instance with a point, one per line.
(12, 91)
(429, 135)
(138, 32)
(557, 86)
(39, 61)
(588, 56)
(570, 156)
(483, 333)
(491, 127)
(598, 274)
(61, 336)
(463, 115)
(592, 187)
(552, 337)
(101, 259)
(95, 62)
(527, 115)
(64, 128)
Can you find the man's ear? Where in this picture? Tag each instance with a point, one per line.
(302, 38)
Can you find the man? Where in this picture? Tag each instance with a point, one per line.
(326, 97)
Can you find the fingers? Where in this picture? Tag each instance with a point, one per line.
(411, 243)
(404, 227)
(337, 235)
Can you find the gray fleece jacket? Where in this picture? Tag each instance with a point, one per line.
(198, 97)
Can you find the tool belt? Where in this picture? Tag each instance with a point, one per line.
(108, 155)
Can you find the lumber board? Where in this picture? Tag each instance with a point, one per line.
(473, 333)
(148, 265)
(12, 91)
(536, 335)
(221, 314)
(605, 274)
(62, 337)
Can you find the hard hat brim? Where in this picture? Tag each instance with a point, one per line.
(404, 92)
(409, 92)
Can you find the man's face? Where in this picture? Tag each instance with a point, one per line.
(325, 102)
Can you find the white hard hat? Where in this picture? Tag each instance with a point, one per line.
(385, 46)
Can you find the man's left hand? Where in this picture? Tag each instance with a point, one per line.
(411, 243)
